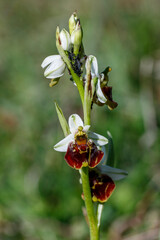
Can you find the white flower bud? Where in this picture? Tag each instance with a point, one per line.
(76, 38)
(72, 22)
(55, 68)
(65, 39)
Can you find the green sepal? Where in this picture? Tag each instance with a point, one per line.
(110, 156)
(62, 120)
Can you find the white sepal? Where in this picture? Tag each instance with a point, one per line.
(65, 40)
(48, 60)
(63, 144)
(99, 92)
(74, 122)
(56, 68)
(98, 139)
(94, 65)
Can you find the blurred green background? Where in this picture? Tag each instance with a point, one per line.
(40, 196)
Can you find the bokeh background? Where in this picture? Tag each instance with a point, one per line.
(40, 196)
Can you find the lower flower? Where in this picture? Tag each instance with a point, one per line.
(102, 186)
(102, 181)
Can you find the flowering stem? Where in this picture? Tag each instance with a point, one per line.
(92, 219)
(94, 234)
(86, 98)
(79, 84)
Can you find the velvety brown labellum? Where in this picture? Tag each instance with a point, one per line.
(77, 155)
(82, 155)
(101, 187)
(95, 155)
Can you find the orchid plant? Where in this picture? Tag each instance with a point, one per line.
(84, 150)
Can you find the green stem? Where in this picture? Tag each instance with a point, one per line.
(79, 84)
(86, 98)
(94, 234)
(92, 219)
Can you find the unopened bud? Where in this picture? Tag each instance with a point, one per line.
(76, 38)
(65, 39)
(72, 22)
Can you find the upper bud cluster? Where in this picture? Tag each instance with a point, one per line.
(76, 32)
(70, 47)
(74, 37)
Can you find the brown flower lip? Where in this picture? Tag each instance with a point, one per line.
(80, 155)
(102, 186)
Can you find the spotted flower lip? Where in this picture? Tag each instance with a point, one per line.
(74, 122)
(102, 181)
(55, 66)
(102, 186)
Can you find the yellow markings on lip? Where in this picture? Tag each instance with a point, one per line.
(95, 199)
(84, 164)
